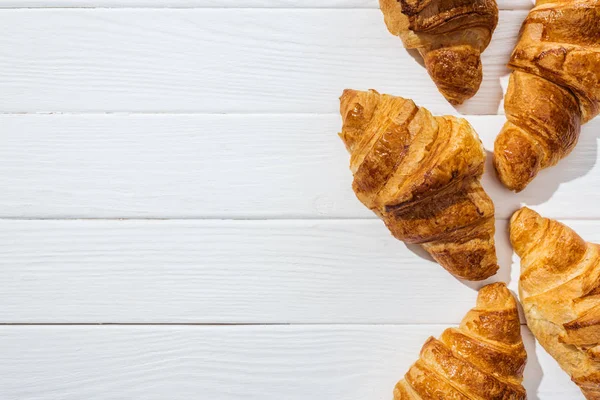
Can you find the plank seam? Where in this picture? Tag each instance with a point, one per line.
(249, 219)
(4, 324)
(187, 113)
(166, 7)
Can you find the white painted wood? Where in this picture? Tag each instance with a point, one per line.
(266, 57)
(502, 4)
(87, 271)
(217, 60)
(174, 166)
(92, 271)
(228, 166)
(228, 363)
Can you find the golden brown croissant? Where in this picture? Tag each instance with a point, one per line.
(483, 358)
(554, 89)
(560, 292)
(421, 175)
(450, 35)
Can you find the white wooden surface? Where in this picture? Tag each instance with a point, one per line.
(174, 194)
(228, 166)
(217, 60)
(225, 362)
(502, 4)
(341, 271)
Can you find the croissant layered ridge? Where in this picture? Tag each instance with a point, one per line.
(450, 35)
(553, 90)
(560, 293)
(483, 358)
(421, 175)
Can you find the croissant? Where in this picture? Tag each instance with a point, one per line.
(483, 358)
(450, 35)
(560, 292)
(554, 89)
(421, 175)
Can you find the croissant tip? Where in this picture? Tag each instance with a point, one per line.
(522, 212)
(476, 276)
(456, 71)
(495, 295)
(512, 171)
(496, 285)
(524, 227)
(346, 92)
(455, 101)
(494, 290)
(456, 97)
(510, 184)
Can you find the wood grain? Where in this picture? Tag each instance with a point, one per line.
(234, 108)
(228, 166)
(217, 60)
(87, 271)
(502, 4)
(95, 271)
(228, 363)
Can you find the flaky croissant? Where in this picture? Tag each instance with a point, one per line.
(554, 89)
(483, 358)
(450, 35)
(560, 292)
(421, 175)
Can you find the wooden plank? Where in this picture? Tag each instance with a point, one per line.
(228, 166)
(502, 4)
(98, 271)
(89, 271)
(217, 60)
(228, 363)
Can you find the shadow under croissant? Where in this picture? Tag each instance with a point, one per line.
(414, 53)
(418, 250)
(503, 252)
(533, 370)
